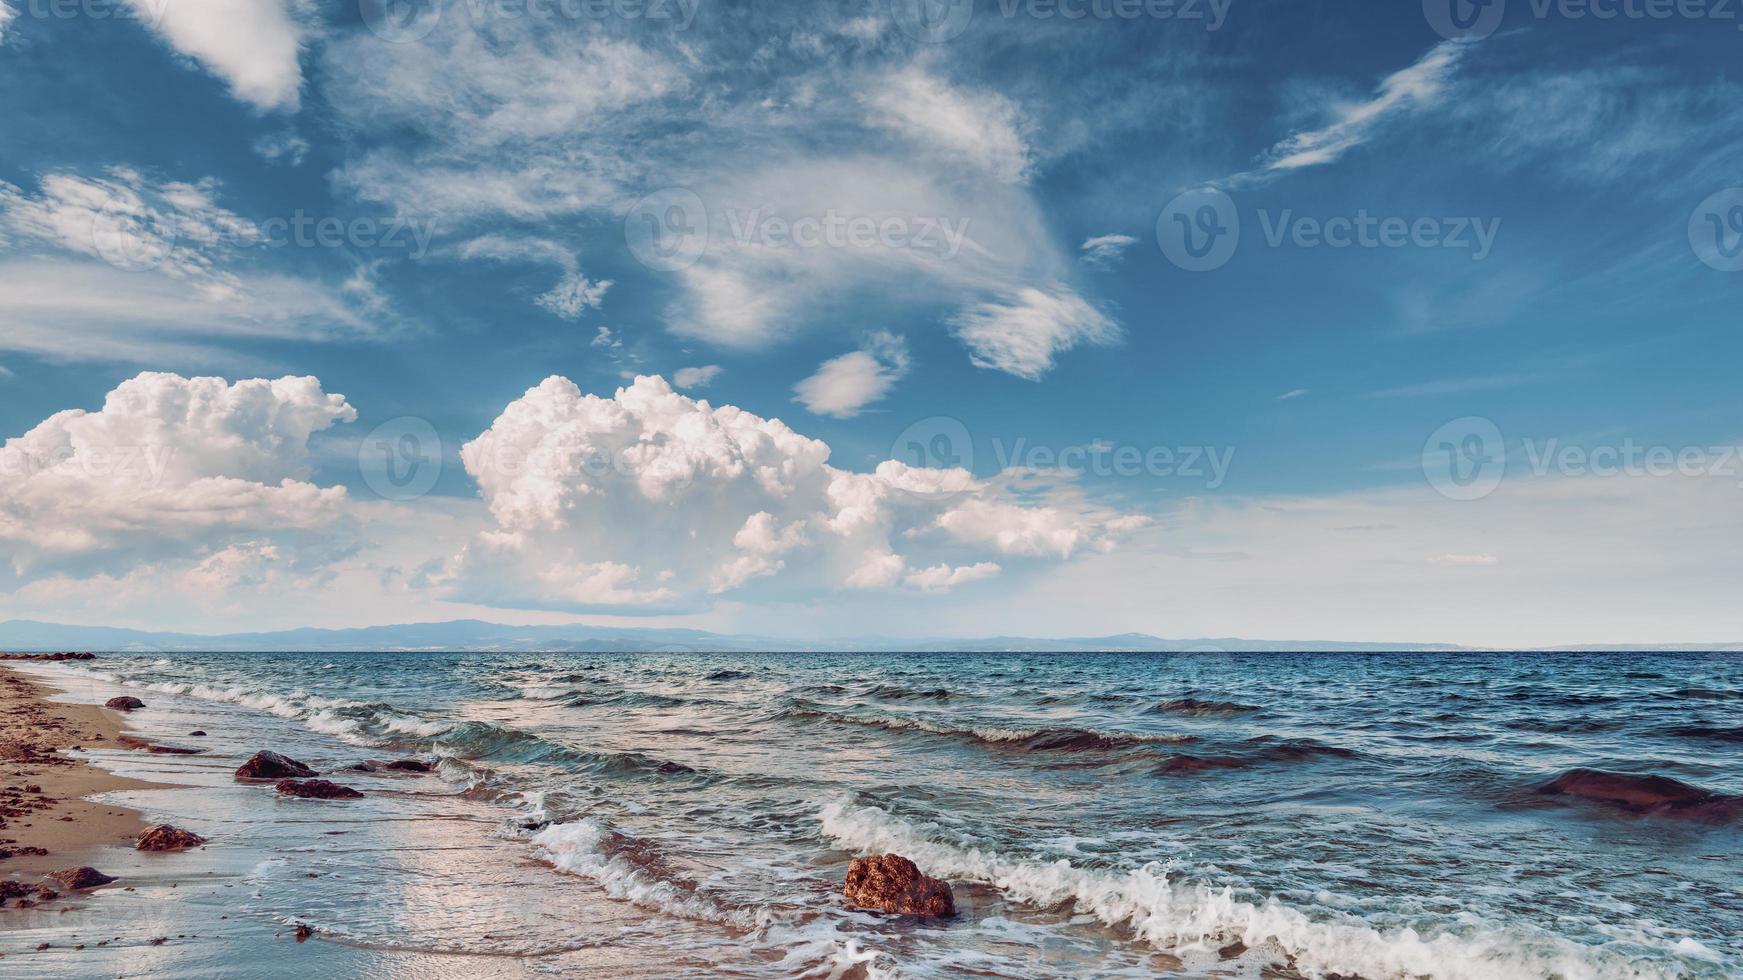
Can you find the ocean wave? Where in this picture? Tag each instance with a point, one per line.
(479, 741)
(1194, 706)
(1024, 739)
(1718, 733)
(1707, 694)
(895, 692)
(626, 870)
(622, 699)
(1181, 917)
(368, 724)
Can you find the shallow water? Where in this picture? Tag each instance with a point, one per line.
(1113, 815)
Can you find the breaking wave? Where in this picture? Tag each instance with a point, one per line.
(1181, 917)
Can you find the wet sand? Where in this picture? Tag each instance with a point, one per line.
(412, 881)
(44, 793)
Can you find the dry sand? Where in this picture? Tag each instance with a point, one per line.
(43, 792)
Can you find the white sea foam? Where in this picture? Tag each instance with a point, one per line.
(1177, 916)
(338, 717)
(579, 848)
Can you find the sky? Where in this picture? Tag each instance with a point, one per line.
(1408, 322)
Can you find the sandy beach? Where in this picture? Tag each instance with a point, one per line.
(411, 880)
(44, 794)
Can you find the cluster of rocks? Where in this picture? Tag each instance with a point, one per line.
(48, 656)
(25, 896)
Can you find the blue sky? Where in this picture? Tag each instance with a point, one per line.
(1535, 194)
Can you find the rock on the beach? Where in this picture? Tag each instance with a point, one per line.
(316, 789)
(1644, 794)
(894, 884)
(124, 703)
(77, 878)
(271, 765)
(167, 838)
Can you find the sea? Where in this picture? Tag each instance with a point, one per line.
(1212, 814)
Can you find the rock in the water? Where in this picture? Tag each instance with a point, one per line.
(77, 878)
(126, 703)
(271, 765)
(167, 838)
(196, 734)
(1645, 794)
(409, 765)
(893, 884)
(317, 789)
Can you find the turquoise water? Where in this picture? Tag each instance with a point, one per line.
(1101, 815)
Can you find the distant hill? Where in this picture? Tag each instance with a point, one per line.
(474, 635)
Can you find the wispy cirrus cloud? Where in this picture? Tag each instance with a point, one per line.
(1103, 251)
(1420, 86)
(118, 267)
(573, 295)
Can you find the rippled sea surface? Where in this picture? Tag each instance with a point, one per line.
(1100, 815)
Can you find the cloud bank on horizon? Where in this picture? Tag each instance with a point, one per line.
(719, 316)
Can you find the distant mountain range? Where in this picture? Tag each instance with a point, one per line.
(473, 635)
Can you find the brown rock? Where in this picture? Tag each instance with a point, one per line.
(893, 884)
(316, 789)
(77, 878)
(409, 765)
(167, 838)
(304, 932)
(127, 703)
(271, 765)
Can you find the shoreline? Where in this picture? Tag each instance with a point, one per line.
(44, 792)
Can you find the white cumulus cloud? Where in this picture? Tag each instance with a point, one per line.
(173, 469)
(652, 501)
(254, 46)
